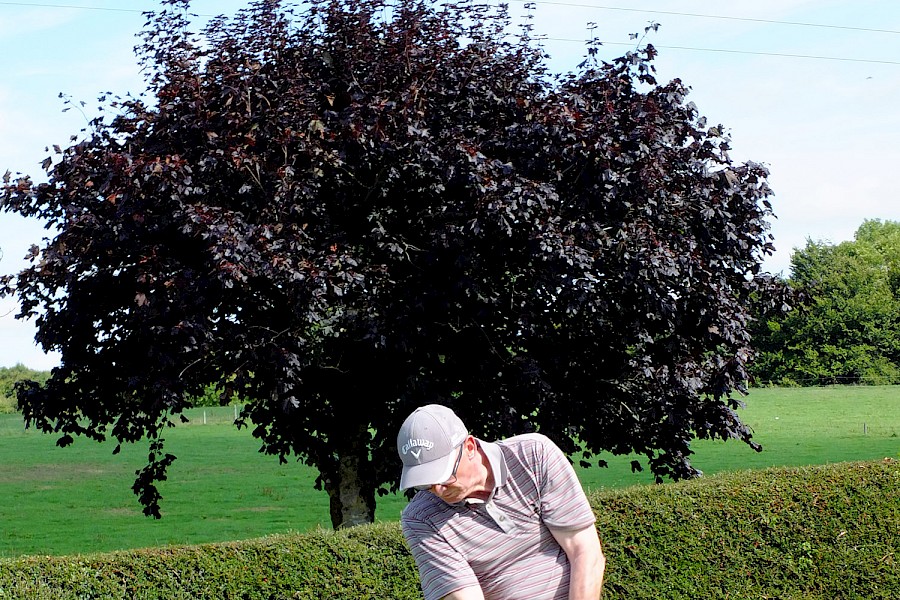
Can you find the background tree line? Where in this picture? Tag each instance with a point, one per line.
(847, 328)
(9, 376)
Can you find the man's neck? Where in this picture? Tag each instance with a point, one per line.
(487, 488)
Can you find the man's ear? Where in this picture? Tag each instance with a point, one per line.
(471, 446)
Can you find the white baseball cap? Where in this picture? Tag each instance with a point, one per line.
(426, 444)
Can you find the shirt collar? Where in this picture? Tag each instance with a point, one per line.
(497, 461)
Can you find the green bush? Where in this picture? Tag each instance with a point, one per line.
(814, 532)
(9, 376)
(366, 562)
(212, 396)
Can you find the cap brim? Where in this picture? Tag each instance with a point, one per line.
(434, 472)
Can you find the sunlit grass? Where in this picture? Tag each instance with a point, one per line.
(796, 427)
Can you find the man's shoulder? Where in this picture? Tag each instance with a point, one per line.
(526, 440)
(529, 450)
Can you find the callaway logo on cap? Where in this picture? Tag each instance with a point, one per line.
(415, 447)
(426, 444)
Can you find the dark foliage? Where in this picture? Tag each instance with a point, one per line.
(349, 212)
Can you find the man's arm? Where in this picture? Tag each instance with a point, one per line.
(467, 593)
(586, 561)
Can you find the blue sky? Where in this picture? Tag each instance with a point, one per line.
(828, 128)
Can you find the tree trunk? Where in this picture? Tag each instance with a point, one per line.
(351, 491)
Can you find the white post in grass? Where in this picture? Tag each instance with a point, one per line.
(204, 417)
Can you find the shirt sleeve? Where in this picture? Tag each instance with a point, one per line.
(564, 504)
(442, 569)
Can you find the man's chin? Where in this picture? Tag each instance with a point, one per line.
(454, 499)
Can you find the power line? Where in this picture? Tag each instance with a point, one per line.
(705, 16)
(592, 6)
(79, 7)
(40, 5)
(786, 55)
(722, 50)
(548, 2)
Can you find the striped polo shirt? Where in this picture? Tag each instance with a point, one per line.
(504, 544)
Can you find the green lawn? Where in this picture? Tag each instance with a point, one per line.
(78, 499)
(796, 426)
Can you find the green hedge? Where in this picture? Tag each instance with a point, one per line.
(818, 532)
(829, 532)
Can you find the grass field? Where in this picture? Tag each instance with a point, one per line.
(78, 499)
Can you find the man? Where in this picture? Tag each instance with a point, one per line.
(495, 521)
